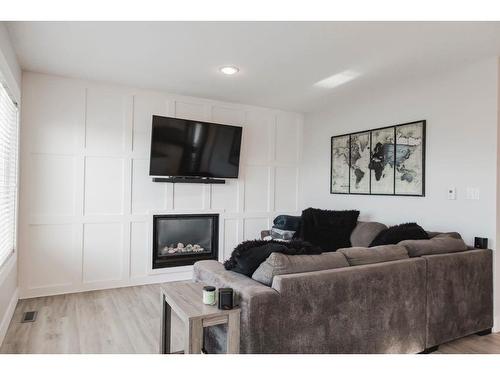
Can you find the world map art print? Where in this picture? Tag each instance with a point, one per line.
(382, 161)
(340, 165)
(360, 161)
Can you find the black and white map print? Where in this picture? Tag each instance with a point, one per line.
(340, 165)
(382, 161)
(360, 159)
(409, 159)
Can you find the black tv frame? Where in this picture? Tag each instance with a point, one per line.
(193, 179)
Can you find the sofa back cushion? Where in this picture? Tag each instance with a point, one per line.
(357, 256)
(281, 264)
(447, 234)
(439, 244)
(365, 232)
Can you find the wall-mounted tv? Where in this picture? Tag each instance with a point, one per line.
(187, 148)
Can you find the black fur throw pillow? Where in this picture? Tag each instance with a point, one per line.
(330, 230)
(248, 255)
(398, 233)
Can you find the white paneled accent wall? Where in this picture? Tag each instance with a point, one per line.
(87, 199)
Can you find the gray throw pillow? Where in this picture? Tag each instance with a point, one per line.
(365, 232)
(357, 256)
(444, 234)
(281, 264)
(439, 244)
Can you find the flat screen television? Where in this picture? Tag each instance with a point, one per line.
(187, 148)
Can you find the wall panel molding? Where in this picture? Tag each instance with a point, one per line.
(105, 194)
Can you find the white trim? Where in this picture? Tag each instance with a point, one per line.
(496, 323)
(4, 326)
(7, 266)
(10, 81)
(145, 280)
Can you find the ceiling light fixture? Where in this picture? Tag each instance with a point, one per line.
(229, 70)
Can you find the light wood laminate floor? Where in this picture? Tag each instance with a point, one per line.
(126, 320)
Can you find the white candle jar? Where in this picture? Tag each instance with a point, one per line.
(209, 295)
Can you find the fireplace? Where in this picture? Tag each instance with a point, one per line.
(183, 239)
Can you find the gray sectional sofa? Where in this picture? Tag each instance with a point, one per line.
(405, 298)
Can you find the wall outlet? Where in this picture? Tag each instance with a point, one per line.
(472, 193)
(452, 193)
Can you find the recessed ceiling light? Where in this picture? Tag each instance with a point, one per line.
(229, 70)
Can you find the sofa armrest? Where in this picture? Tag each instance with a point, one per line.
(375, 308)
(259, 304)
(213, 273)
(459, 294)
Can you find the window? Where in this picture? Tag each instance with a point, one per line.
(8, 174)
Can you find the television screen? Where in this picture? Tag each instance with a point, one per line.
(194, 148)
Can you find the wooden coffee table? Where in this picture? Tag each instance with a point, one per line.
(184, 298)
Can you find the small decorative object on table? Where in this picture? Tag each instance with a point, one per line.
(209, 295)
(226, 299)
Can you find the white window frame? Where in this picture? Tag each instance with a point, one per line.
(4, 257)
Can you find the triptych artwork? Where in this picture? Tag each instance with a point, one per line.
(383, 161)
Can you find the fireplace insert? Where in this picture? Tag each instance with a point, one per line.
(183, 239)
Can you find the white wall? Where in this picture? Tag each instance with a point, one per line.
(87, 200)
(460, 107)
(10, 73)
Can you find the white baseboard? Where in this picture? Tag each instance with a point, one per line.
(182, 274)
(9, 313)
(496, 324)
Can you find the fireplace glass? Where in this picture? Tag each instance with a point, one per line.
(184, 239)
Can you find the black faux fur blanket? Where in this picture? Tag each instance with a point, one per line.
(244, 250)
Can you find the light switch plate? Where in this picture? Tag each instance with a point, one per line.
(452, 193)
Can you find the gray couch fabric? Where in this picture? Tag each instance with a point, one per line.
(440, 244)
(376, 308)
(357, 256)
(444, 234)
(392, 306)
(365, 232)
(459, 295)
(281, 264)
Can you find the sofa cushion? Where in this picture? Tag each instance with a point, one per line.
(249, 261)
(281, 264)
(439, 244)
(446, 234)
(365, 233)
(357, 256)
(398, 233)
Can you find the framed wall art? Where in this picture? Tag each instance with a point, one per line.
(381, 161)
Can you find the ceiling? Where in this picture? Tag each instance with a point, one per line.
(280, 62)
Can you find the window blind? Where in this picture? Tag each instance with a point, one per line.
(8, 174)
